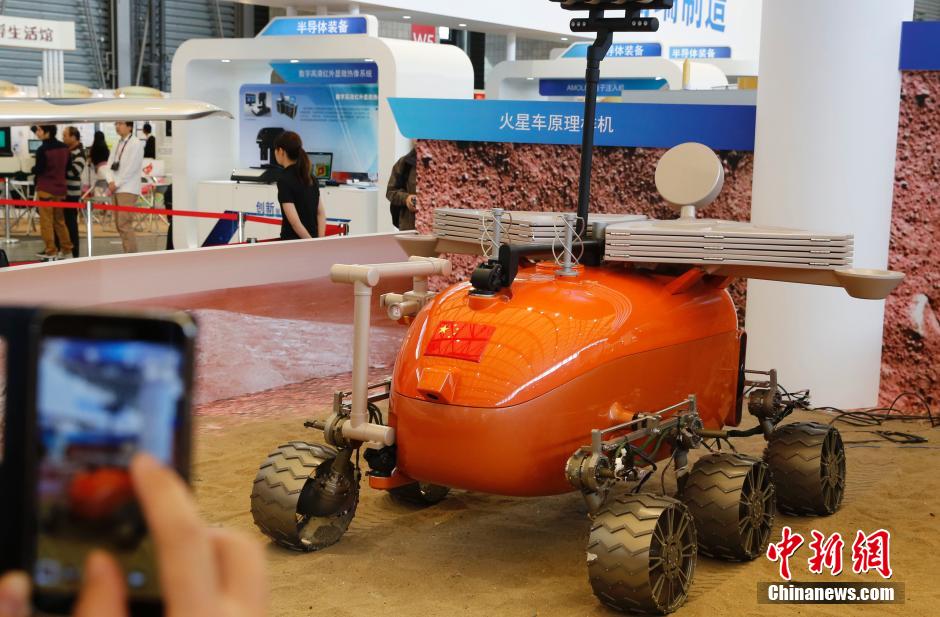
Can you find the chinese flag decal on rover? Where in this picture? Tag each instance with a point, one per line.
(460, 340)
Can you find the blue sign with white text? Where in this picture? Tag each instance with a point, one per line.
(699, 53)
(721, 127)
(606, 87)
(618, 50)
(327, 72)
(313, 26)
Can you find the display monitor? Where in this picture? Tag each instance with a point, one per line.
(34, 145)
(321, 164)
(6, 145)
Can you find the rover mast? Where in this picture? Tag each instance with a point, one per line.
(605, 28)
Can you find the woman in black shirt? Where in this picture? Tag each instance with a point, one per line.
(99, 152)
(298, 191)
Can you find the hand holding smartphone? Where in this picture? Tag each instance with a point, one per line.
(97, 443)
(105, 387)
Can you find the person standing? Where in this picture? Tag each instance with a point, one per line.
(402, 191)
(150, 142)
(298, 191)
(52, 159)
(124, 168)
(73, 176)
(98, 155)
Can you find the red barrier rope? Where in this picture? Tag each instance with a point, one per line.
(24, 203)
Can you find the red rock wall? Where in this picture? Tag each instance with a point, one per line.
(543, 178)
(911, 357)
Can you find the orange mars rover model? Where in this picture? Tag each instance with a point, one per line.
(545, 377)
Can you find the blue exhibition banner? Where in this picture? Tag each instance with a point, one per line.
(920, 46)
(606, 87)
(618, 50)
(327, 72)
(313, 26)
(699, 53)
(721, 127)
(337, 118)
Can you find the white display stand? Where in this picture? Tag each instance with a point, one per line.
(213, 70)
(342, 202)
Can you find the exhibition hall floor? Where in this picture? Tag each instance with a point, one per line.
(476, 554)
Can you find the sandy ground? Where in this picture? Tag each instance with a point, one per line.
(477, 554)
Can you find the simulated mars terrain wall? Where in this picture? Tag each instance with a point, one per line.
(911, 357)
(544, 178)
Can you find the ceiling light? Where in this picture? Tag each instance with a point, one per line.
(226, 60)
(564, 38)
(406, 17)
(462, 25)
(530, 78)
(294, 61)
(368, 60)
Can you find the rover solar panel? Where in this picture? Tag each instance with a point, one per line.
(517, 227)
(710, 241)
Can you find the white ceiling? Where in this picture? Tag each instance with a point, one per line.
(532, 19)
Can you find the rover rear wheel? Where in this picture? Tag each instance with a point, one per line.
(731, 499)
(641, 553)
(299, 502)
(420, 493)
(807, 463)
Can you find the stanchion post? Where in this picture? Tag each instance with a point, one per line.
(241, 227)
(89, 208)
(7, 231)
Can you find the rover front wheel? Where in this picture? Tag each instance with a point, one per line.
(641, 553)
(731, 499)
(299, 501)
(807, 463)
(420, 493)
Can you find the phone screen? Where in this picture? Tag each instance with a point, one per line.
(98, 402)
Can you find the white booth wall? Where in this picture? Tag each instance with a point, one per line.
(208, 150)
(519, 79)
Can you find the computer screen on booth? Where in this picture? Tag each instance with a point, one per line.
(34, 145)
(321, 164)
(6, 147)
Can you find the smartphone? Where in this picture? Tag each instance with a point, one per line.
(104, 387)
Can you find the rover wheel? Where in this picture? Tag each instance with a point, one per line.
(641, 553)
(807, 463)
(420, 493)
(298, 502)
(731, 499)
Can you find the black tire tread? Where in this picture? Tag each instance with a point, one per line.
(794, 454)
(277, 488)
(712, 493)
(618, 551)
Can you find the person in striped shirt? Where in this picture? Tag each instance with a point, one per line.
(74, 174)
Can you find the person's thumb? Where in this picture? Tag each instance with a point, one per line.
(103, 591)
(14, 595)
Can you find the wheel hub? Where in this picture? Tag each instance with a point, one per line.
(755, 503)
(672, 558)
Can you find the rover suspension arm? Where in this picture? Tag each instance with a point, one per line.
(363, 278)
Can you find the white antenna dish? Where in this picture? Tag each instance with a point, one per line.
(690, 176)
